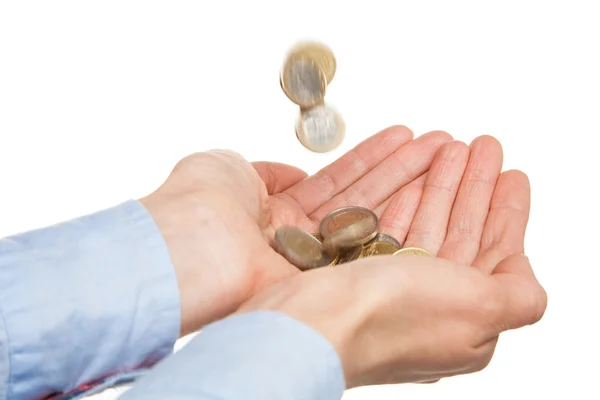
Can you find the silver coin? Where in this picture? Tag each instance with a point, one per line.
(303, 82)
(382, 237)
(320, 129)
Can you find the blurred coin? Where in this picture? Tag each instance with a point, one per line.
(303, 81)
(336, 255)
(320, 129)
(301, 248)
(346, 216)
(412, 251)
(352, 235)
(382, 237)
(321, 54)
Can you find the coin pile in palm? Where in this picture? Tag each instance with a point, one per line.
(307, 71)
(345, 235)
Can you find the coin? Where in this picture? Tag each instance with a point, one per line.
(376, 248)
(412, 251)
(382, 237)
(301, 248)
(346, 216)
(303, 81)
(348, 255)
(321, 54)
(320, 128)
(343, 256)
(350, 236)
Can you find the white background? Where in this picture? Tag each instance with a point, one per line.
(98, 100)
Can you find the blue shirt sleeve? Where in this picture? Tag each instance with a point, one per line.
(256, 356)
(84, 299)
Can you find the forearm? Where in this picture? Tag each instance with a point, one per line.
(86, 298)
(256, 356)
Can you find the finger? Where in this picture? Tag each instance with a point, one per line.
(504, 231)
(311, 193)
(399, 211)
(278, 177)
(428, 228)
(381, 208)
(472, 203)
(525, 300)
(400, 168)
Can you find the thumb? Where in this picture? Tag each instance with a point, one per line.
(525, 299)
(516, 264)
(278, 177)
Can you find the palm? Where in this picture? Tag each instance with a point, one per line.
(430, 192)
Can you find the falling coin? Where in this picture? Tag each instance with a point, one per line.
(303, 82)
(412, 251)
(346, 216)
(301, 248)
(321, 54)
(320, 129)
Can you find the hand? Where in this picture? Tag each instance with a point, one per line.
(218, 213)
(412, 319)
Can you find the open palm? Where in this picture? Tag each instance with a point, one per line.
(441, 195)
(430, 192)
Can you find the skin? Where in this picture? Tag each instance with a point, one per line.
(392, 319)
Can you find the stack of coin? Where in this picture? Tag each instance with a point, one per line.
(345, 235)
(307, 71)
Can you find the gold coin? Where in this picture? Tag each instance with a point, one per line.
(303, 81)
(335, 260)
(346, 216)
(301, 248)
(348, 255)
(379, 248)
(320, 128)
(412, 251)
(321, 54)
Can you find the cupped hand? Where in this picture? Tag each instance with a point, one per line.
(396, 319)
(218, 213)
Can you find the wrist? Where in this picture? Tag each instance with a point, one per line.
(313, 298)
(198, 241)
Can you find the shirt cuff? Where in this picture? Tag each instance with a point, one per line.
(84, 299)
(256, 356)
